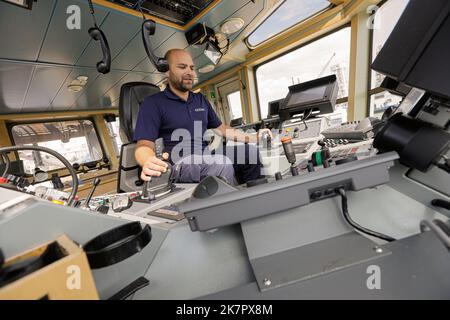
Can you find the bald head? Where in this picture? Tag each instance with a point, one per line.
(181, 69)
(173, 54)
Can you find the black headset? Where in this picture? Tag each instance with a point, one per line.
(148, 29)
(104, 65)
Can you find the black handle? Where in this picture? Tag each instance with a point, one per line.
(104, 65)
(95, 183)
(134, 286)
(148, 29)
(117, 244)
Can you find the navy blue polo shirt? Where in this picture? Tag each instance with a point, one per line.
(162, 113)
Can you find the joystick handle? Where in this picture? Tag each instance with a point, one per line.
(95, 183)
(289, 150)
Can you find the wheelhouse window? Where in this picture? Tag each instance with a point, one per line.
(386, 18)
(76, 140)
(287, 14)
(325, 56)
(234, 102)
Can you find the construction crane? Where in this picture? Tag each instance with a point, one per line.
(326, 65)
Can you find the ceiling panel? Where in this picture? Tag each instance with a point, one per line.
(23, 40)
(145, 65)
(154, 78)
(225, 11)
(119, 30)
(44, 86)
(104, 82)
(70, 53)
(113, 94)
(227, 65)
(177, 40)
(65, 99)
(65, 46)
(135, 53)
(14, 80)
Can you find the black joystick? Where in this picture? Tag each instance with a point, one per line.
(161, 183)
(290, 154)
(278, 176)
(267, 141)
(95, 183)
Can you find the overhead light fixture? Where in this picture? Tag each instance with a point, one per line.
(74, 87)
(27, 4)
(83, 78)
(206, 69)
(78, 84)
(213, 53)
(232, 25)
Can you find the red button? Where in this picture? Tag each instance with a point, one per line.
(3, 180)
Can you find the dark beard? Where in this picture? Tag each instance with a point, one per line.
(179, 85)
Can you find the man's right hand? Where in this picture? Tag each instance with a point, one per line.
(154, 167)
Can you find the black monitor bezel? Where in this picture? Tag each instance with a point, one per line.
(280, 102)
(330, 81)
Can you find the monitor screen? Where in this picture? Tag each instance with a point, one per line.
(311, 94)
(318, 96)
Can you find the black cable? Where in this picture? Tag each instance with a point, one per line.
(91, 7)
(349, 220)
(70, 200)
(139, 6)
(304, 118)
(441, 203)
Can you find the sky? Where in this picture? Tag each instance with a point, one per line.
(289, 13)
(303, 64)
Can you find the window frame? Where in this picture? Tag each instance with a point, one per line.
(10, 125)
(255, 69)
(118, 135)
(273, 10)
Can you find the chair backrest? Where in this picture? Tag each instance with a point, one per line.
(132, 94)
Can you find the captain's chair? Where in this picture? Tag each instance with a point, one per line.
(132, 94)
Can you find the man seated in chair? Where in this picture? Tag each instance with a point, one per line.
(181, 118)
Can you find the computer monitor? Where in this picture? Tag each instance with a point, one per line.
(418, 49)
(274, 107)
(316, 95)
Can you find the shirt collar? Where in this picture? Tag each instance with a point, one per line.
(169, 94)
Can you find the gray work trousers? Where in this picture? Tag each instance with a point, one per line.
(195, 168)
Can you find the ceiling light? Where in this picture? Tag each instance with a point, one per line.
(232, 25)
(83, 78)
(74, 87)
(207, 68)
